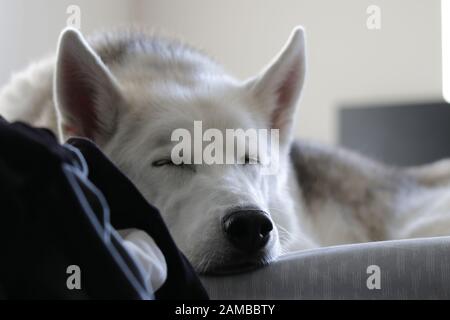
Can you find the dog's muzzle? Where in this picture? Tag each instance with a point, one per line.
(248, 230)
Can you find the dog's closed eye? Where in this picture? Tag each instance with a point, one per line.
(251, 160)
(169, 162)
(162, 163)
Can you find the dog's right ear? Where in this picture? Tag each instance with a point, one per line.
(279, 86)
(87, 96)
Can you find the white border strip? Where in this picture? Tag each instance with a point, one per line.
(445, 21)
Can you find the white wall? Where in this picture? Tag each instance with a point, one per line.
(347, 62)
(29, 29)
(445, 19)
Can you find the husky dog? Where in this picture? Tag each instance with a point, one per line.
(128, 91)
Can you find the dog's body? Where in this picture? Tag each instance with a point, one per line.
(143, 88)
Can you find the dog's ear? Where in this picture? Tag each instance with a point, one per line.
(86, 94)
(278, 87)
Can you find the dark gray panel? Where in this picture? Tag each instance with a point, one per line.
(400, 134)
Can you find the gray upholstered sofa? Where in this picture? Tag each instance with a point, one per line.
(404, 269)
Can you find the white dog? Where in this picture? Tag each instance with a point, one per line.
(129, 91)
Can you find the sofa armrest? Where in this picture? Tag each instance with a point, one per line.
(408, 269)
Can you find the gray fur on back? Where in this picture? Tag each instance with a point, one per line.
(367, 188)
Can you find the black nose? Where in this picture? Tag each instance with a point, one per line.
(248, 230)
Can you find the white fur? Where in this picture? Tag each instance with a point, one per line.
(138, 102)
(148, 104)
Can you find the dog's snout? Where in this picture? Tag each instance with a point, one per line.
(248, 230)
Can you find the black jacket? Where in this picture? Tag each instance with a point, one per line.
(57, 207)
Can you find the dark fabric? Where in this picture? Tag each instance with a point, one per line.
(53, 217)
(129, 209)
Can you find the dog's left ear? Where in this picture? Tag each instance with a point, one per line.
(278, 87)
(87, 95)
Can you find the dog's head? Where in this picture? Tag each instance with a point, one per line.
(224, 217)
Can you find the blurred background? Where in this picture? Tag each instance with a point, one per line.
(375, 68)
